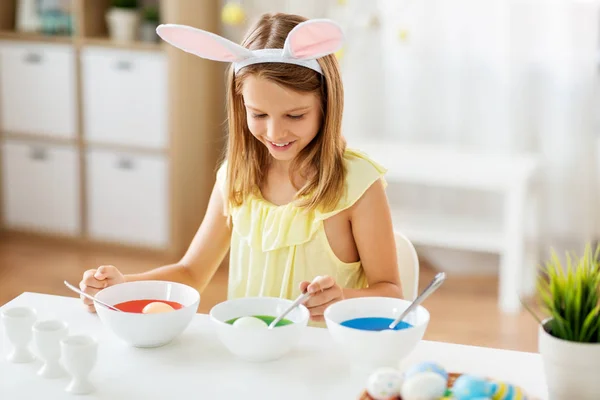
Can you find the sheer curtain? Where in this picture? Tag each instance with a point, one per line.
(505, 76)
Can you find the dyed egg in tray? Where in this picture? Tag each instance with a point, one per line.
(429, 381)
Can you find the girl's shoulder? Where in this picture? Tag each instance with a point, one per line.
(362, 168)
(362, 171)
(221, 177)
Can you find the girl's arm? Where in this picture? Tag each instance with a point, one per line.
(205, 253)
(373, 232)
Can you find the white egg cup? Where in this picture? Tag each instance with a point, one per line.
(18, 323)
(79, 358)
(47, 336)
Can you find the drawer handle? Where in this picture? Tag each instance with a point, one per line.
(38, 154)
(123, 65)
(33, 58)
(125, 163)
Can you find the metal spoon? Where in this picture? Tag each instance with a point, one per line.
(299, 300)
(435, 283)
(76, 290)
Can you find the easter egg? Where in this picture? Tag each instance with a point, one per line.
(232, 14)
(469, 387)
(384, 384)
(506, 391)
(426, 385)
(156, 307)
(427, 367)
(249, 323)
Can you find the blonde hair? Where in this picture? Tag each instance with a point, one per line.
(322, 159)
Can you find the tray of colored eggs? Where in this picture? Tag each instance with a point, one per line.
(430, 381)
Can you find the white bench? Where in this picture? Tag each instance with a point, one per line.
(509, 176)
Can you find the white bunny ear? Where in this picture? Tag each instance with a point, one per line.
(202, 43)
(313, 39)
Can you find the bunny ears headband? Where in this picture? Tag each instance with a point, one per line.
(305, 43)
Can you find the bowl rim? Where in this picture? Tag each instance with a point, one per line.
(195, 292)
(328, 311)
(302, 307)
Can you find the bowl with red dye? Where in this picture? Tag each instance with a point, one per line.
(154, 312)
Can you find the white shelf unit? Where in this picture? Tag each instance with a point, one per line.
(125, 97)
(511, 177)
(38, 89)
(108, 142)
(41, 187)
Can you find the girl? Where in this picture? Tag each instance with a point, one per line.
(295, 208)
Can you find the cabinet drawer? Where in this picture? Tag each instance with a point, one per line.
(41, 187)
(124, 97)
(37, 88)
(127, 198)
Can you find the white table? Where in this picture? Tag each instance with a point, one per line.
(197, 366)
(510, 176)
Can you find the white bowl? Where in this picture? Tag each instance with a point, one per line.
(148, 330)
(262, 344)
(369, 350)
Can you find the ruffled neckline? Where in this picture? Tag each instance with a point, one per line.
(268, 226)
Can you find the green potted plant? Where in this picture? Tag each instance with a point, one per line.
(569, 337)
(150, 21)
(123, 20)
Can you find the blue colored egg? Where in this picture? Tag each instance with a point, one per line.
(426, 367)
(468, 387)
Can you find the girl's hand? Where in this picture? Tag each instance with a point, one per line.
(326, 292)
(95, 280)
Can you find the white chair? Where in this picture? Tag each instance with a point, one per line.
(408, 265)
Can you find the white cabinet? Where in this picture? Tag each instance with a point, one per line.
(124, 97)
(37, 89)
(41, 187)
(127, 198)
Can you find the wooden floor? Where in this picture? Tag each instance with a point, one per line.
(462, 311)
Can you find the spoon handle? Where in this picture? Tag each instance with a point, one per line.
(299, 300)
(435, 283)
(76, 290)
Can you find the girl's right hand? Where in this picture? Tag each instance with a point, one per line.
(95, 280)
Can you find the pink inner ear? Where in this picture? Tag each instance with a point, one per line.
(199, 43)
(315, 38)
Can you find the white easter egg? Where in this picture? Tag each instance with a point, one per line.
(424, 386)
(384, 383)
(157, 307)
(249, 323)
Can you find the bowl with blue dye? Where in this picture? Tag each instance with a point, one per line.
(359, 328)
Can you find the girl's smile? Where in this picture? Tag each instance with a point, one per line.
(285, 121)
(281, 146)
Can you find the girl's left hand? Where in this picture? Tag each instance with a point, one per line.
(326, 292)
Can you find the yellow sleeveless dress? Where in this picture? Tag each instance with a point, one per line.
(274, 248)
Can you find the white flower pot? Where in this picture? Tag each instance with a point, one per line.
(123, 24)
(148, 32)
(572, 369)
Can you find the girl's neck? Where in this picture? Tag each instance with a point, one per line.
(280, 167)
(279, 171)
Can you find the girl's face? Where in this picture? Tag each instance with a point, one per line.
(285, 121)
